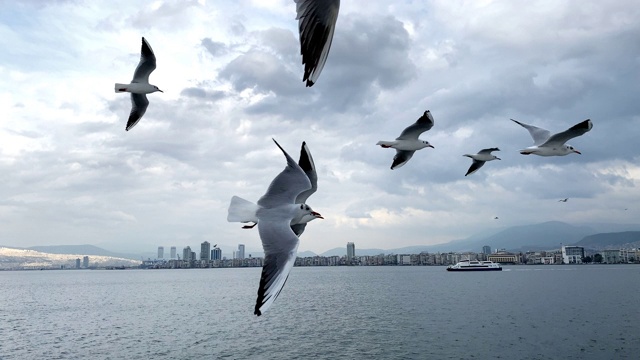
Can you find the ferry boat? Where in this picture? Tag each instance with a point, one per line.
(474, 265)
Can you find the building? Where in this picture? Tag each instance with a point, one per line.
(486, 249)
(503, 257)
(572, 254)
(186, 253)
(85, 262)
(78, 263)
(205, 251)
(216, 253)
(173, 252)
(611, 256)
(240, 253)
(351, 250)
(160, 252)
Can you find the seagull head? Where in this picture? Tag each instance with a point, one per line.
(426, 144)
(155, 87)
(570, 149)
(305, 214)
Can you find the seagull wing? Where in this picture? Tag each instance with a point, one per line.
(574, 131)
(539, 135)
(475, 165)
(146, 65)
(309, 167)
(139, 105)
(280, 246)
(285, 188)
(401, 158)
(316, 24)
(424, 123)
(488, 151)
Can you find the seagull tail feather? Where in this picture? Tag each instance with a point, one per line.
(120, 87)
(241, 210)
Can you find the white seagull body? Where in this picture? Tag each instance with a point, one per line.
(545, 144)
(316, 24)
(480, 158)
(274, 212)
(407, 143)
(298, 224)
(139, 85)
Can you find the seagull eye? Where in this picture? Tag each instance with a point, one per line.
(301, 207)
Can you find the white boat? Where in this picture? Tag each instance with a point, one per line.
(474, 265)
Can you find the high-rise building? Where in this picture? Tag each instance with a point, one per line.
(160, 252)
(78, 263)
(351, 250)
(572, 254)
(216, 253)
(85, 262)
(240, 253)
(186, 253)
(173, 252)
(486, 249)
(205, 251)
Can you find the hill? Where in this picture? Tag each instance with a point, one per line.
(626, 239)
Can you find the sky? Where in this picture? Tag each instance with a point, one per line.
(231, 74)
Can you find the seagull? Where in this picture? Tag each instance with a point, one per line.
(273, 214)
(545, 144)
(316, 24)
(563, 200)
(407, 143)
(480, 158)
(495, 218)
(308, 166)
(140, 86)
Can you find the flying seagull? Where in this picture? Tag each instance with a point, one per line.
(480, 158)
(316, 24)
(274, 212)
(407, 143)
(563, 200)
(545, 144)
(308, 166)
(140, 86)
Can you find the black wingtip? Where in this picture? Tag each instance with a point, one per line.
(257, 312)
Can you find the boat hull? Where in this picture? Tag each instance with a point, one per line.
(476, 269)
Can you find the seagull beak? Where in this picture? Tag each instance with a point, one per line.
(497, 158)
(316, 215)
(161, 91)
(431, 146)
(577, 152)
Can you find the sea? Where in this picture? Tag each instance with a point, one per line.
(394, 312)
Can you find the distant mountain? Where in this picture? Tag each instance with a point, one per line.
(544, 236)
(12, 258)
(82, 250)
(629, 239)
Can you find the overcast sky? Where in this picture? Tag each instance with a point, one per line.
(232, 80)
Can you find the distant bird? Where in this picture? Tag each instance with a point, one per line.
(215, 245)
(273, 213)
(495, 218)
(309, 167)
(316, 24)
(563, 200)
(140, 86)
(480, 158)
(407, 143)
(545, 144)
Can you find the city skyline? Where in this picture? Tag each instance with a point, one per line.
(231, 76)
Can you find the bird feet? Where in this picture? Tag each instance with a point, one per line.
(250, 226)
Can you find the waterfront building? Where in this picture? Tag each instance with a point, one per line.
(205, 251)
(160, 252)
(611, 256)
(216, 253)
(85, 262)
(173, 252)
(186, 254)
(240, 253)
(351, 250)
(78, 263)
(486, 249)
(572, 254)
(503, 257)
